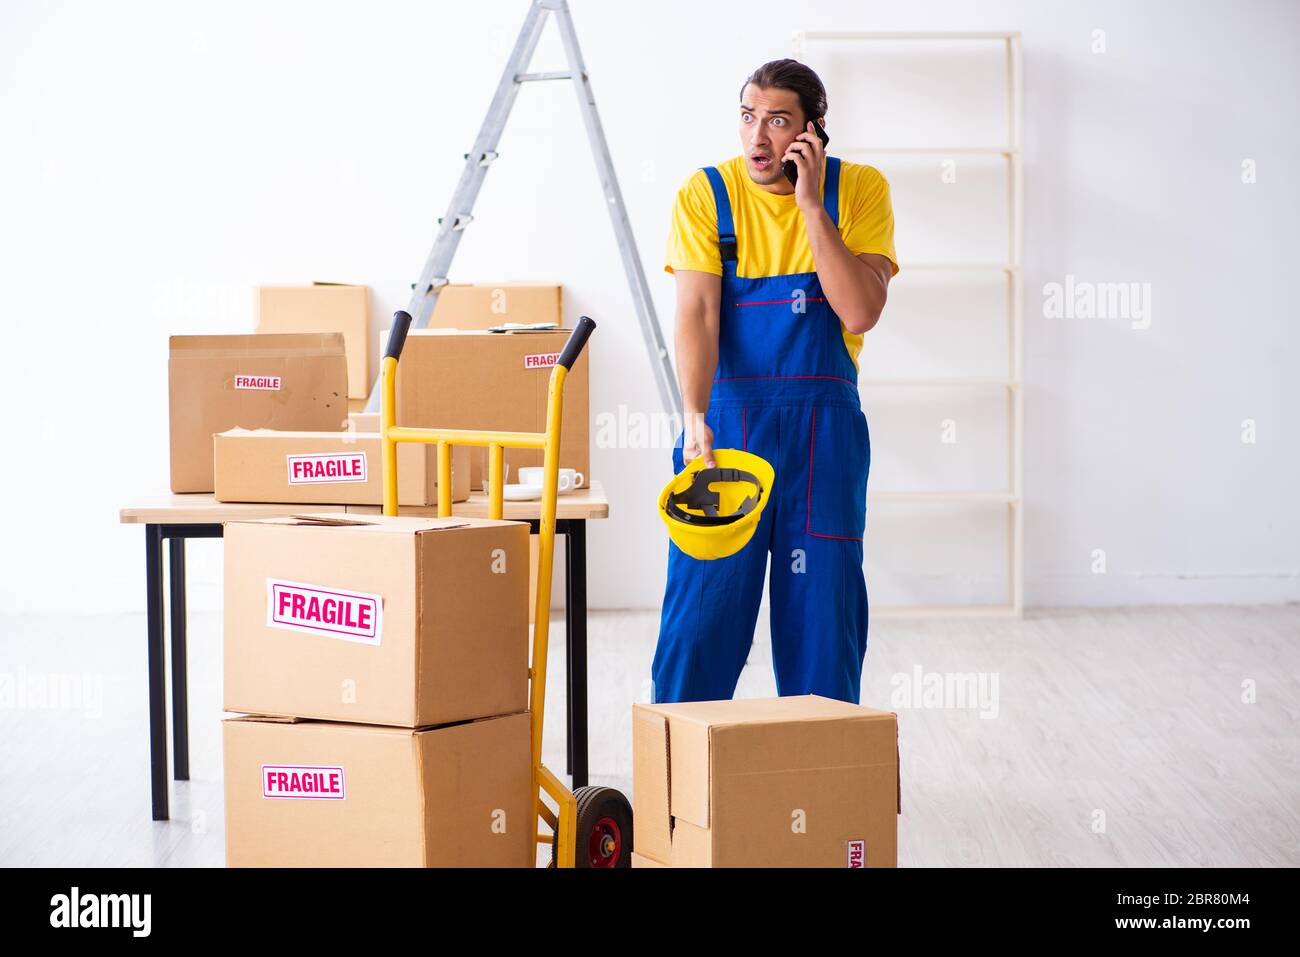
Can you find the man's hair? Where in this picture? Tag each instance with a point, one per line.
(793, 76)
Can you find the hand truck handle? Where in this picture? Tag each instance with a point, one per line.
(397, 334)
(577, 339)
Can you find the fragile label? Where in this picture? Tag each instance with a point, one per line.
(331, 612)
(304, 781)
(258, 383)
(541, 360)
(327, 468)
(857, 854)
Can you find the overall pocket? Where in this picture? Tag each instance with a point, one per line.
(839, 457)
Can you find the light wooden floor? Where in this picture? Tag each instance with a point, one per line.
(1119, 737)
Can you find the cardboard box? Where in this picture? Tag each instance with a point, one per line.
(324, 307)
(327, 468)
(799, 781)
(640, 860)
(380, 620)
(316, 794)
(253, 382)
(496, 381)
(486, 304)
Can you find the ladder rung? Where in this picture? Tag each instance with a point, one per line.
(463, 220)
(553, 75)
(437, 283)
(485, 159)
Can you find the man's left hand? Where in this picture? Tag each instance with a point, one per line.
(809, 156)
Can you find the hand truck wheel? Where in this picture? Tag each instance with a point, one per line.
(604, 829)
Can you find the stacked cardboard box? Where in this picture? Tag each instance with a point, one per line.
(253, 382)
(800, 781)
(327, 468)
(324, 307)
(382, 665)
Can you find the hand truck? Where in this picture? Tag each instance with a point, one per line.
(591, 827)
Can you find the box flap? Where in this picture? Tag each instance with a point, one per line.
(762, 710)
(373, 524)
(343, 435)
(650, 781)
(258, 344)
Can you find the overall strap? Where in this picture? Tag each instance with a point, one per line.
(831, 194)
(726, 228)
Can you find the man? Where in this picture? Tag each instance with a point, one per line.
(776, 285)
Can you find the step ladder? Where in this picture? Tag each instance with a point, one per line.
(433, 276)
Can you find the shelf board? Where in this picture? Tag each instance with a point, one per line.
(959, 267)
(931, 150)
(906, 35)
(979, 498)
(959, 381)
(944, 611)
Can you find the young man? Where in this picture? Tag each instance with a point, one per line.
(776, 285)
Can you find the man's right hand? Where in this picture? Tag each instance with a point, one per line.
(697, 440)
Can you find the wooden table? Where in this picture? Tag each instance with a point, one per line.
(175, 518)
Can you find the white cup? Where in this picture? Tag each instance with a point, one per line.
(568, 478)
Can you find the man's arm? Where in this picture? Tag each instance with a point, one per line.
(699, 302)
(856, 286)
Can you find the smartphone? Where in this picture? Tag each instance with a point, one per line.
(791, 171)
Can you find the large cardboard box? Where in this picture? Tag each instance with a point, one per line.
(324, 307)
(327, 468)
(486, 304)
(381, 620)
(317, 794)
(254, 382)
(450, 379)
(799, 781)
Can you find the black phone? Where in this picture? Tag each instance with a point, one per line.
(791, 171)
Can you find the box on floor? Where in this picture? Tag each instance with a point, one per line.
(327, 468)
(494, 381)
(324, 307)
(399, 620)
(799, 781)
(323, 794)
(216, 383)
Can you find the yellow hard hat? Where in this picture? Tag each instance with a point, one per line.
(712, 512)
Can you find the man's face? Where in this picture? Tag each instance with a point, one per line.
(770, 119)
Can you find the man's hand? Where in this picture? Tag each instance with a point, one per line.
(697, 440)
(809, 156)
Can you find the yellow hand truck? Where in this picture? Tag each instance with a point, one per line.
(590, 827)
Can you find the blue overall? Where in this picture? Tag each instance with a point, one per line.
(786, 389)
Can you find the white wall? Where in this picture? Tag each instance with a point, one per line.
(160, 160)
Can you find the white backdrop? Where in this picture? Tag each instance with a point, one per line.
(160, 160)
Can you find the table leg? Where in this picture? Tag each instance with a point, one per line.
(575, 632)
(153, 540)
(180, 685)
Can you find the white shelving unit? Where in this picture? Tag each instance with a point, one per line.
(1010, 499)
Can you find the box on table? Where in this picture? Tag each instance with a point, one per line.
(217, 383)
(324, 307)
(381, 620)
(327, 468)
(321, 794)
(486, 304)
(800, 781)
(449, 379)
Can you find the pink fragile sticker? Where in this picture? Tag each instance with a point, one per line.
(327, 468)
(303, 781)
(258, 383)
(857, 854)
(541, 360)
(329, 612)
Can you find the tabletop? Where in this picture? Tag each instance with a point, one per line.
(201, 508)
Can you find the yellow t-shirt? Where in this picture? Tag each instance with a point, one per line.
(771, 238)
